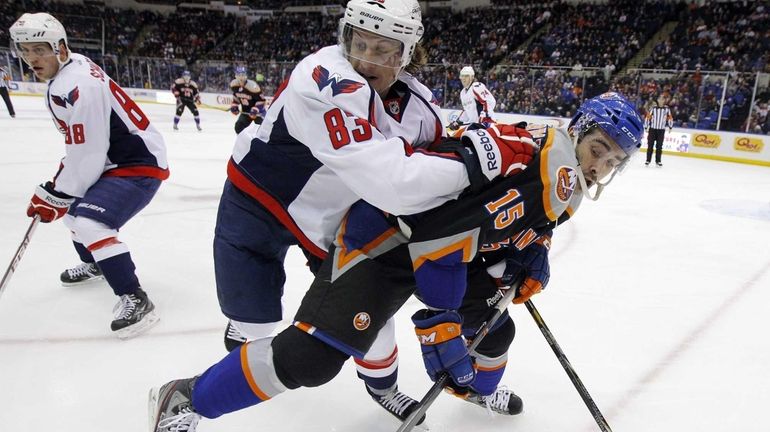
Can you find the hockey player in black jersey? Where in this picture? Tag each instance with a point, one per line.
(378, 260)
(248, 103)
(186, 92)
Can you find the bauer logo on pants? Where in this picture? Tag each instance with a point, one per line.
(361, 321)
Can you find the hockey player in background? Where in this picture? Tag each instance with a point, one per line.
(186, 92)
(349, 124)
(378, 260)
(114, 163)
(248, 103)
(477, 101)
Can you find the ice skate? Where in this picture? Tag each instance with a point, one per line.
(659, 164)
(502, 401)
(200, 129)
(233, 338)
(171, 407)
(81, 274)
(397, 403)
(176, 128)
(134, 314)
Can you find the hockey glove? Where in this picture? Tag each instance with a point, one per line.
(454, 125)
(443, 348)
(48, 204)
(254, 113)
(235, 110)
(502, 149)
(533, 262)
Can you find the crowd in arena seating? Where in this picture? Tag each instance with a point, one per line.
(717, 36)
(536, 57)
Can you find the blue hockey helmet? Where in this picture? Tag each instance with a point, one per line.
(240, 72)
(186, 74)
(615, 115)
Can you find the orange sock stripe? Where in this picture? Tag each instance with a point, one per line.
(247, 373)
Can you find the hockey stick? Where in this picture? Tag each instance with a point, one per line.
(597, 415)
(435, 390)
(19, 253)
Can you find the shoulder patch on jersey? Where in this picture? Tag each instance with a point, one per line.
(235, 83)
(339, 86)
(179, 81)
(70, 98)
(193, 84)
(566, 182)
(252, 86)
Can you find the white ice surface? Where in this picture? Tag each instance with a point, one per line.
(659, 295)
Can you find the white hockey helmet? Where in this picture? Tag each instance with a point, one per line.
(467, 71)
(38, 27)
(395, 19)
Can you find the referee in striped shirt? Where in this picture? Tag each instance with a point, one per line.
(658, 118)
(4, 78)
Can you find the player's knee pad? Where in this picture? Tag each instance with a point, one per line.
(89, 231)
(301, 360)
(98, 238)
(252, 331)
(496, 342)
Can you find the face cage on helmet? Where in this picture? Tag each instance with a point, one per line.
(346, 40)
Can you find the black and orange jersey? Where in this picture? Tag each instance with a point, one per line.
(185, 91)
(247, 95)
(511, 212)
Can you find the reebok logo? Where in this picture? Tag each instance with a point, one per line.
(489, 149)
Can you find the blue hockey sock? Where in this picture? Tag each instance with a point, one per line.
(176, 120)
(119, 272)
(487, 380)
(83, 252)
(228, 385)
(197, 120)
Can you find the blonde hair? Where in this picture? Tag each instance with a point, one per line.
(419, 59)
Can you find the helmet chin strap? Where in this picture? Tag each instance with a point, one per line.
(599, 185)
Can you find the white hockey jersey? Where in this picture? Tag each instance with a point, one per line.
(105, 132)
(477, 101)
(328, 140)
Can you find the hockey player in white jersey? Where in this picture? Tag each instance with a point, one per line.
(114, 163)
(477, 101)
(350, 123)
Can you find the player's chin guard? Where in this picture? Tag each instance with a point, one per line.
(618, 118)
(38, 27)
(400, 20)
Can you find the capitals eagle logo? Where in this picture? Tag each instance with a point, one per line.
(338, 86)
(70, 98)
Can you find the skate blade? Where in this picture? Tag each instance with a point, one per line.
(152, 408)
(142, 326)
(83, 283)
